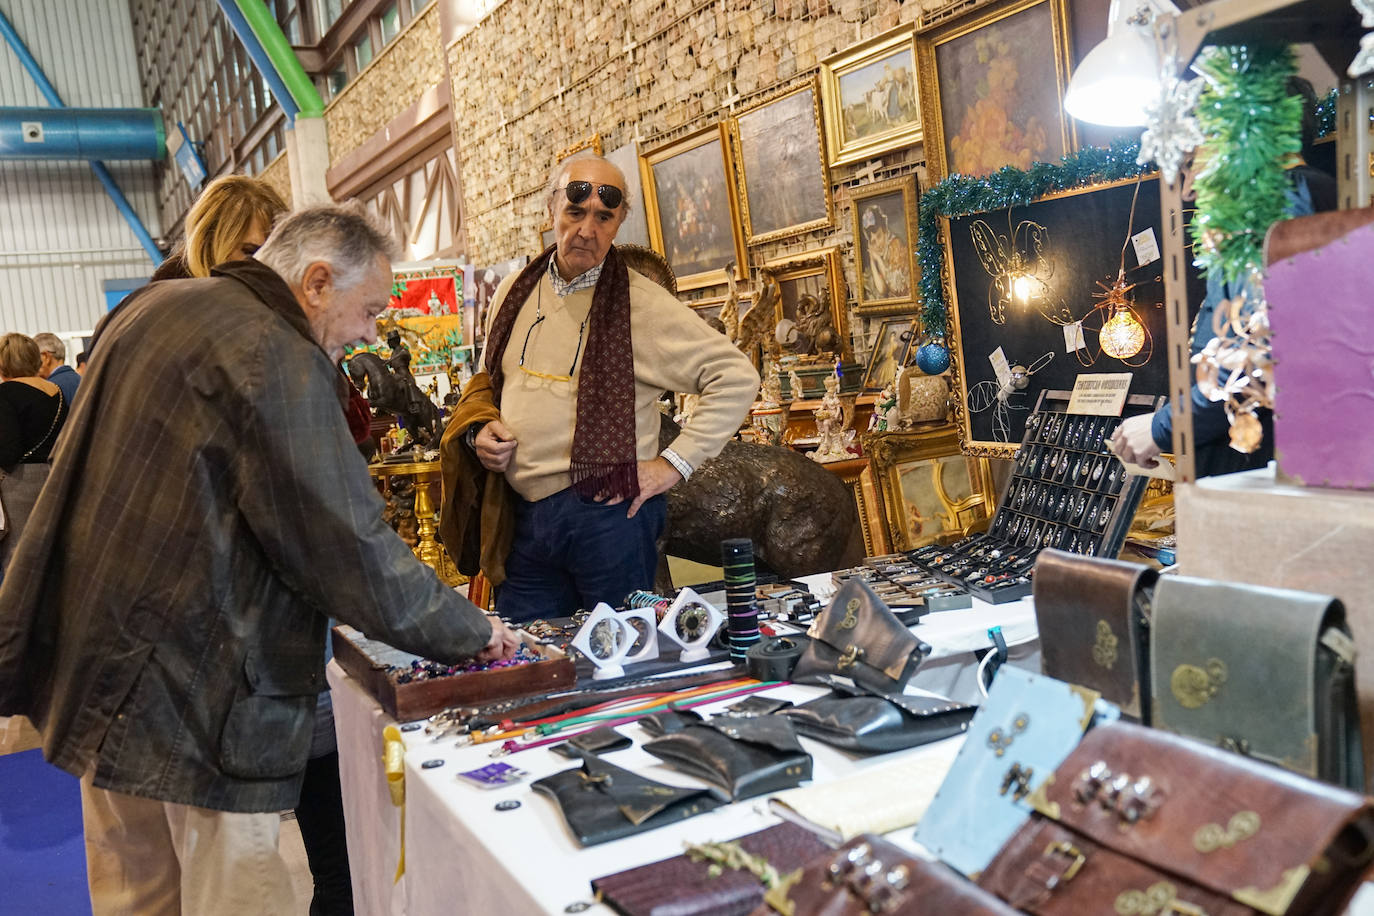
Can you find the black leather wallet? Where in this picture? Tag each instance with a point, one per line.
(668, 721)
(871, 721)
(743, 755)
(602, 802)
(601, 740)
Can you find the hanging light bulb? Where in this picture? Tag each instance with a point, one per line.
(1021, 287)
(1122, 334)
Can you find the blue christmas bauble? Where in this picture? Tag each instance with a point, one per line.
(932, 359)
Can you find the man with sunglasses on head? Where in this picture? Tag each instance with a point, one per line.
(578, 351)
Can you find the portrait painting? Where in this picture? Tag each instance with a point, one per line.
(994, 93)
(811, 315)
(890, 348)
(884, 216)
(485, 280)
(786, 187)
(691, 207)
(872, 99)
(929, 489)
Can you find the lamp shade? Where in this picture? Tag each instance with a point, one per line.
(1120, 76)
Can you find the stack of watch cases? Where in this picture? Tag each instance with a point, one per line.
(1066, 491)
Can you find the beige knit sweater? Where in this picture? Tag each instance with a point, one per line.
(674, 350)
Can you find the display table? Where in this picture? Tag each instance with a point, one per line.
(464, 856)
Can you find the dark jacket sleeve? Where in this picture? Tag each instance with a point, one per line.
(11, 436)
(305, 492)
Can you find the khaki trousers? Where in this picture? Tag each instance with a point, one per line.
(152, 858)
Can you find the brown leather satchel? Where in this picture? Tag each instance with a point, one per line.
(857, 636)
(870, 875)
(1094, 618)
(1141, 821)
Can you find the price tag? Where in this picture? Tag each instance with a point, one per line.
(1146, 248)
(1000, 366)
(1073, 337)
(1101, 394)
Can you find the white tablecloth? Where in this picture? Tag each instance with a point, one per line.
(464, 856)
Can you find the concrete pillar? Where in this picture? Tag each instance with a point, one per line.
(307, 153)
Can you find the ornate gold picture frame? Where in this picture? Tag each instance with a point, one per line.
(992, 85)
(588, 146)
(784, 184)
(693, 212)
(930, 492)
(890, 349)
(885, 268)
(871, 99)
(812, 286)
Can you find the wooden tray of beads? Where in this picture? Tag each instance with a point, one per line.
(377, 666)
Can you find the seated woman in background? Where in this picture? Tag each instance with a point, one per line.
(32, 411)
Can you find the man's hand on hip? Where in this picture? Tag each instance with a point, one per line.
(495, 445)
(1134, 441)
(655, 477)
(502, 644)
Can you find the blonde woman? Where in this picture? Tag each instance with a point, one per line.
(228, 221)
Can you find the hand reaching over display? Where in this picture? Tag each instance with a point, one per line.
(1134, 442)
(502, 644)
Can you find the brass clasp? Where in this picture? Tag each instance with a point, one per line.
(1017, 780)
(850, 656)
(1068, 850)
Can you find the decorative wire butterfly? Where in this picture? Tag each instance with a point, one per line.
(998, 396)
(1020, 268)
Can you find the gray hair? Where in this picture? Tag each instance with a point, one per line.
(343, 235)
(52, 345)
(556, 181)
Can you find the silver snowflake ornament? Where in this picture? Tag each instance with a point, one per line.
(1172, 132)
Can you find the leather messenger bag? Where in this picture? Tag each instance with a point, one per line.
(1267, 672)
(1094, 617)
(1139, 821)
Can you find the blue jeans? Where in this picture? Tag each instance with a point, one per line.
(570, 553)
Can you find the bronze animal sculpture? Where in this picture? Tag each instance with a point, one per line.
(397, 394)
(801, 518)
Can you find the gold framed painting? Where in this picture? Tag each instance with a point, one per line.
(930, 492)
(588, 146)
(889, 353)
(692, 209)
(784, 184)
(708, 309)
(872, 103)
(811, 315)
(992, 84)
(884, 246)
(546, 235)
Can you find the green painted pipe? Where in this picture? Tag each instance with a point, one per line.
(279, 51)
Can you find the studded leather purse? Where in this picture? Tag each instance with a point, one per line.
(1266, 672)
(857, 636)
(1093, 617)
(871, 875)
(1138, 821)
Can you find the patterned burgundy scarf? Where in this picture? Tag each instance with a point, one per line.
(604, 456)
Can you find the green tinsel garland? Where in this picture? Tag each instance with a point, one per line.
(1326, 114)
(959, 195)
(1252, 125)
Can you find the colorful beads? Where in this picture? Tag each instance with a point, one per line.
(423, 669)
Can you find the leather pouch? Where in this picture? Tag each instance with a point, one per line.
(1140, 821)
(858, 637)
(668, 721)
(870, 875)
(1222, 654)
(757, 705)
(682, 886)
(874, 722)
(1094, 616)
(1025, 728)
(602, 802)
(745, 756)
(601, 740)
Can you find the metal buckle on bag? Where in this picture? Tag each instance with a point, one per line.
(849, 658)
(1067, 849)
(1017, 781)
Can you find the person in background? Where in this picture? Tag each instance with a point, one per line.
(32, 412)
(81, 363)
(228, 221)
(1141, 439)
(166, 631)
(53, 352)
(579, 349)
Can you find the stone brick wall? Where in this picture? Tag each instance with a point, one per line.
(534, 78)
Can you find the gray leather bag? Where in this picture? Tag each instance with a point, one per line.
(1265, 672)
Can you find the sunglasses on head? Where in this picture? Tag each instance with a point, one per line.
(578, 191)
